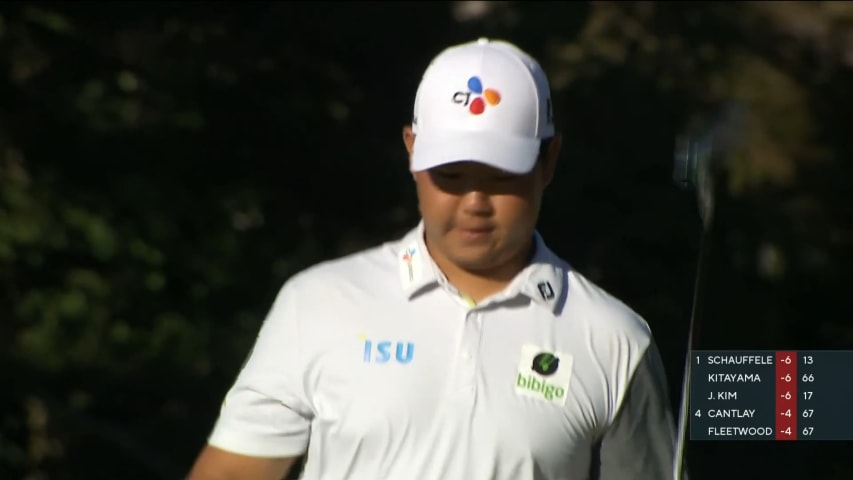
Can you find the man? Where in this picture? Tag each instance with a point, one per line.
(466, 350)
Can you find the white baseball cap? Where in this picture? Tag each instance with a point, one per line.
(485, 101)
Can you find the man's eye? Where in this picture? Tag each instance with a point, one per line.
(448, 175)
(505, 178)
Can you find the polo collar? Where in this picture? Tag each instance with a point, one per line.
(417, 270)
(543, 280)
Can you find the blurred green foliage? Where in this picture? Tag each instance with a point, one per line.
(164, 168)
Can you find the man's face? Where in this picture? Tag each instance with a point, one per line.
(479, 217)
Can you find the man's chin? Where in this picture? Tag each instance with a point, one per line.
(477, 262)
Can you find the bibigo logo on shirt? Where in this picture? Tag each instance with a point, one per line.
(543, 375)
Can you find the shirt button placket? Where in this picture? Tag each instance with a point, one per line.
(469, 353)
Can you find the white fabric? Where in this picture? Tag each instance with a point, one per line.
(376, 367)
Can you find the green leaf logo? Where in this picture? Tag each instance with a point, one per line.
(545, 364)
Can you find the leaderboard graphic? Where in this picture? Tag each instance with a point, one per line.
(771, 395)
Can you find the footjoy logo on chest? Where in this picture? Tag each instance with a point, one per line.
(543, 375)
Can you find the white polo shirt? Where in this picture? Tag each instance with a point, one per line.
(377, 368)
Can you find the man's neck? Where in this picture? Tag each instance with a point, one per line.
(481, 284)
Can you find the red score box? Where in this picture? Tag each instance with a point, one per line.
(786, 395)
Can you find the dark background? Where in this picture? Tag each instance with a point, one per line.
(165, 167)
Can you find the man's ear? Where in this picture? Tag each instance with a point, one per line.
(551, 158)
(409, 140)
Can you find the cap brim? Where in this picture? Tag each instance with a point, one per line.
(512, 154)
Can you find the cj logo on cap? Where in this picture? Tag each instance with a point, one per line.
(477, 97)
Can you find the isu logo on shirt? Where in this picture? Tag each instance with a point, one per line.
(384, 351)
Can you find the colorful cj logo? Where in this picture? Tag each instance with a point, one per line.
(476, 98)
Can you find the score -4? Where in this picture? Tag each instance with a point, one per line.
(807, 431)
(807, 413)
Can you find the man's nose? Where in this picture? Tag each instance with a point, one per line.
(477, 202)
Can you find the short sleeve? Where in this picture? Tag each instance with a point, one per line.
(266, 412)
(640, 443)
